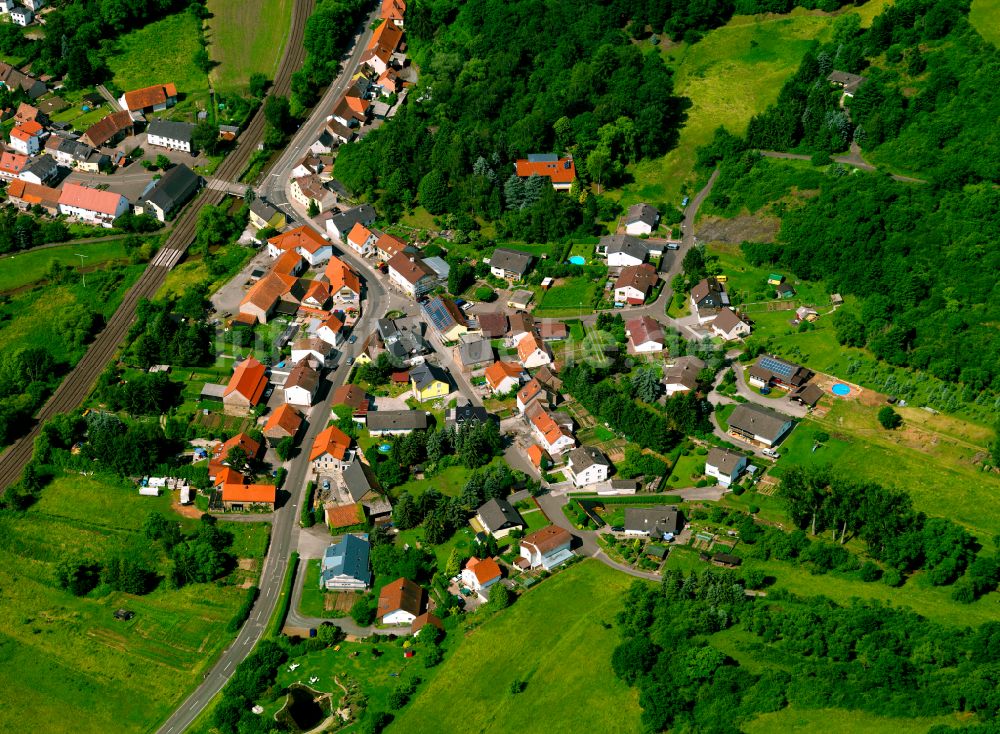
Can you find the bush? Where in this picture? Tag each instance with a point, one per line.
(889, 418)
(739, 489)
(892, 577)
(243, 613)
(821, 436)
(870, 572)
(485, 294)
(753, 509)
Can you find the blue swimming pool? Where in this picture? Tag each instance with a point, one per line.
(840, 389)
(385, 448)
(578, 260)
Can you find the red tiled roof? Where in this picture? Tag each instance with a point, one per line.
(249, 380)
(32, 193)
(13, 163)
(331, 441)
(103, 202)
(386, 38)
(285, 417)
(288, 263)
(485, 570)
(305, 237)
(390, 245)
(341, 275)
(561, 171)
(547, 539)
(254, 493)
(536, 453)
(317, 290)
(401, 594)
(392, 9)
(644, 329)
(344, 516)
(359, 234)
(410, 270)
(107, 127)
(26, 130)
(351, 396)
(527, 346)
(140, 99)
(269, 289)
(497, 372)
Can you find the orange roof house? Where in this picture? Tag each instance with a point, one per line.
(538, 457)
(353, 397)
(11, 164)
(149, 97)
(263, 296)
(246, 386)
(343, 516)
(217, 462)
(305, 240)
(289, 263)
(561, 171)
(341, 277)
(499, 373)
(423, 620)
(92, 200)
(481, 573)
(248, 494)
(330, 446)
(386, 37)
(31, 194)
(400, 602)
(283, 422)
(392, 11)
(108, 129)
(317, 293)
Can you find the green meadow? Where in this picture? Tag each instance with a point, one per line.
(245, 37)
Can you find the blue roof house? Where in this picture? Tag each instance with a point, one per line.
(345, 565)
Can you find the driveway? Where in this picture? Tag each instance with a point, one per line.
(228, 297)
(782, 404)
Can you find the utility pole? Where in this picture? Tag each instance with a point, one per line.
(82, 274)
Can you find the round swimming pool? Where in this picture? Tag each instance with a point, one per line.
(840, 389)
(578, 260)
(385, 448)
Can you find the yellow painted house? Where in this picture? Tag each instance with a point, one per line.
(428, 383)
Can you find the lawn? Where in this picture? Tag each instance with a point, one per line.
(450, 482)
(842, 721)
(163, 52)
(106, 675)
(194, 271)
(575, 295)
(239, 53)
(722, 414)
(985, 16)
(733, 73)
(29, 267)
(544, 639)
(689, 469)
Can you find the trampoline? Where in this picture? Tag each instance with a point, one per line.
(841, 390)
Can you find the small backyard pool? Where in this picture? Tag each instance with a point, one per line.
(578, 260)
(840, 389)
(385, 448)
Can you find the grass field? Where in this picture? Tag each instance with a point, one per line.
(545, 639)
(985, 16)
(733, 73)
(106, 675)
(163, 52)
(842, 721)
(571, 296)
(238, 52)
(25, 268)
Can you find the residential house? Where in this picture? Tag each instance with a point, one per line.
(264, 215)
(361, 239)
(623, 249)
(509, 264)
(317, 295)
(533, 390)
(552, 430)
(345, 565)
(547, 548)
(309, 165)
(404, 339)
(848, 82)
(42, 170)
(284, 422)
(682, 375)
(520, 298)
(242, 497)
(587, 465)
(634, 283)
(654, 522)
(533, 352)
(538, 457)
(785, 290)
(428, 382)
(26, 139)
(806, 313)
(645, 335)
(424, 620)
(22, 16)
(330, 451)
(730, 325)
(502, 377)
(395, 422)
(219, 469)
(29, 113)
(400, 602)
(74, 154)
(171, 135)
(480, 574)
(547, 378)
(446, 317)
(353, 397)
(304, 240)
(339, 517)
(392, 12)
(758, 425)
(520, 325)
(387, 246)
(641, 219)
(310, 190)
(141, 102)
(311, 348)
(474, 354)
(264, 296)
(170, 192)
(364, 488)
(25, 195)
(499, 518)
(771, 371)
(708, 298)
(246, 387)
(807, 395)
(410, 275)
(11, 165)
(552, 331)
(350, 111)
(381, 47)
(345, 285)
(560, 171)
(467, 413)
(91, 205)
(339, 225)
(493, 325)
(109, 130)
(302, 384)
(330, 330)
(725, 465)
(14, 78)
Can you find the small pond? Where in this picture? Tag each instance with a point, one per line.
(302, 712)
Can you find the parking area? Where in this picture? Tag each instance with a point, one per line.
(471, 599)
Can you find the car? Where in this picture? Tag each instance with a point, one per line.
(326, 484)
(350, 362)
(673, 246)
(353, 338)
(685, 202)
(771, 453)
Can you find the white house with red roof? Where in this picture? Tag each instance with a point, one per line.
(304, 240)
(553, 431)
(560, 171)
(361, 239)
(156, 98)
(533, 352)
(26, 137)
(91, 205)
(480, 574)
(502, 377)
(645, 335)
(330, 330)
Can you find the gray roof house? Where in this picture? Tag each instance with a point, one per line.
(40, 170)
(656, 522)
(509, 264)
(425, 374)
(345, 565)
(171, 130)
(724, 465)
(475, 353)
(169, 193)
(758, 425)
(624, 249)
(340, 224)
(682, 375)
(641, 219)
(395, 422)
(498, 518)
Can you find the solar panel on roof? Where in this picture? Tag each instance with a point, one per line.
(776, 366)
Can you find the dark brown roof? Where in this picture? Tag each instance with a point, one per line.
(493, 324)
(400, 594)
(547, 539)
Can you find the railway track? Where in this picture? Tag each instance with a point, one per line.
(75, 387)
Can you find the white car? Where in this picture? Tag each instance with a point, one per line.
(771, 453)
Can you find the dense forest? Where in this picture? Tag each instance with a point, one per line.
(929, 103)
(490, 93)
(810, 653)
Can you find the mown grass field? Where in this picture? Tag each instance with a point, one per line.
(730, 75)
(842, 721)
(571, 296)
(68, 665)
(245, 37)
(553, 639)
(159, 53)
(985, 16)
(19, 270)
